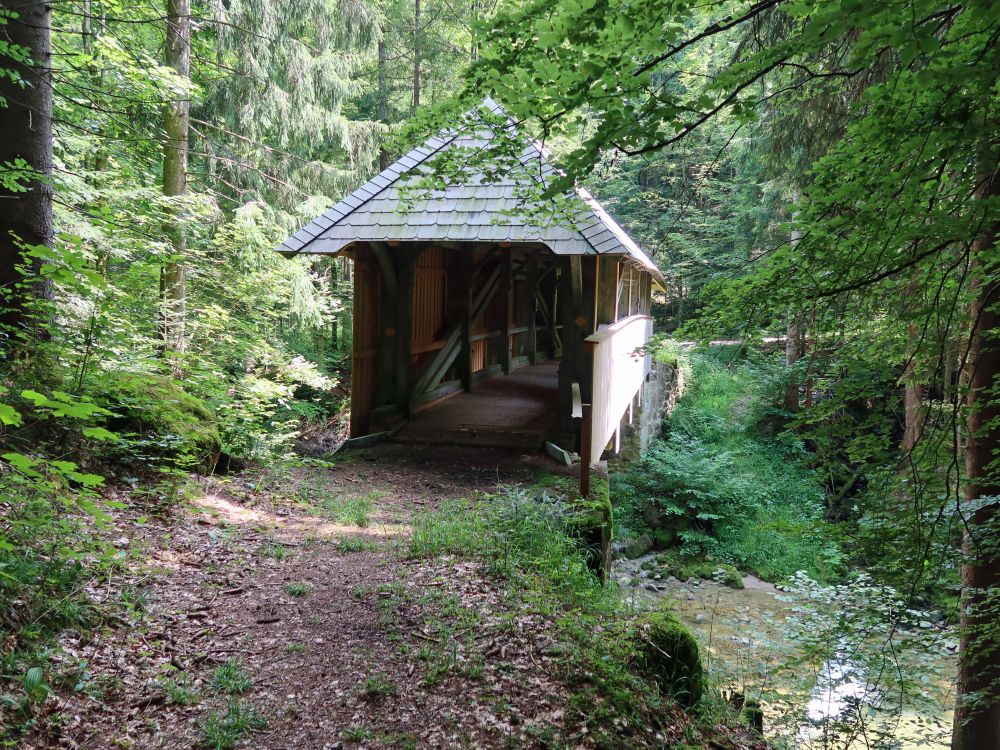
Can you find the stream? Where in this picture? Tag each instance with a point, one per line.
(746, 645)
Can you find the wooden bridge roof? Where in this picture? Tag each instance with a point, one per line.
(476, 211)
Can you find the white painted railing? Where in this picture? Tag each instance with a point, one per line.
(618, 375)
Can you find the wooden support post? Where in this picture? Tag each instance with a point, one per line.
(576, 275)
(505, 292)
(630, 280)
(585, 324)
(531, 300)
(568, 365)
(586, 428)
(388, 298)
(553, 321)
(465, 323)
(403, 375)
(607, 291)
(620, 281)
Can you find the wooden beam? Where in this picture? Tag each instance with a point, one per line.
(405, 275)
(505, 292)
(453, 344)
(607, 290)
(531, 299)
(465, 324)
(549, 268)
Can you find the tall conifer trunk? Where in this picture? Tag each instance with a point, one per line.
(383, 94)
(977, 718)
(914, 388)
(25, 134)
(795, 342)
(416, 56)
(173, 281)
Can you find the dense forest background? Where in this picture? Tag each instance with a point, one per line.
(819, 176)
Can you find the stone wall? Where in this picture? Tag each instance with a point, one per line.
(664, 385)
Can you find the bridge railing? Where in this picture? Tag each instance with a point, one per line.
(618, 374)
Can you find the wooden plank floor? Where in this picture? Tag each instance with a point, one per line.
(515, 411)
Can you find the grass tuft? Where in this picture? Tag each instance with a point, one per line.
(179, 690)
(230, 677)
(357, 544)
(223, 731)
(378, 685)
(274, 550)
(297, 589)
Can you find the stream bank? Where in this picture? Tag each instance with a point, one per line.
(748, 646)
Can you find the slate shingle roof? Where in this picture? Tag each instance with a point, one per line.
(473, 212)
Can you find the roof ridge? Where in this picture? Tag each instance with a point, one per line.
(373, 211)
(490, 104)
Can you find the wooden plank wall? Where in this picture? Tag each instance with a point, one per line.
(366, 329)
(429, 305)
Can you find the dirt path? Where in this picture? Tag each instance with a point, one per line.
(281, 605)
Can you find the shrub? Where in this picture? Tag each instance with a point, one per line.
(591, 520)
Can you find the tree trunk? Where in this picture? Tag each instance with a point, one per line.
(977, 717)
(794, 351)
(175, 167)
(416, 56)
(913, 387)
(795, 336)
(474, 31)
(913, 401)
(383, 97)
(25, 134)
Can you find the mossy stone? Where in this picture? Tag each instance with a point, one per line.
(752, 714)
(157, 408)
(668, 653)
(728, 576)
(686, 570)
(638, 547)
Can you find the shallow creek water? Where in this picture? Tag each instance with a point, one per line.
(742, 633)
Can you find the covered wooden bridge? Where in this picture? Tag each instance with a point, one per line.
(472, 324)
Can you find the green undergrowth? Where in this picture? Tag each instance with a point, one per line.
(223, 730)
(527, 544)
(718, 485)
(162, 420)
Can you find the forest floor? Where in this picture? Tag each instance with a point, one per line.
(278, 610)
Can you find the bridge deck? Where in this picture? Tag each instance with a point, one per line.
(515, 411)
